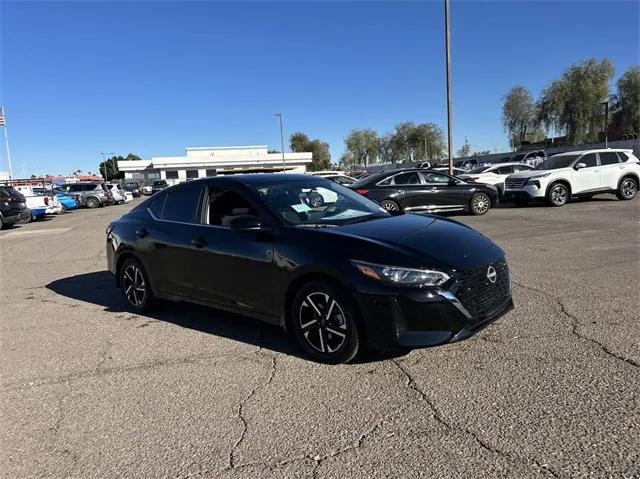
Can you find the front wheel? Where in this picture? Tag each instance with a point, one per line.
(390, 205)
(323, 320)
(628, 189)
(92, 202)
(558, 194)
(135, 286)
(480, 204)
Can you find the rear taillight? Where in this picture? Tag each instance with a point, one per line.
(362, 191)
(46, 200)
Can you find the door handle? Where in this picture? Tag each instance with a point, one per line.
(199, 242)
(142, 232)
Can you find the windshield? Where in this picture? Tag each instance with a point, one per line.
(317, 203)
(518, 158)
(557, 161)
(479, 169)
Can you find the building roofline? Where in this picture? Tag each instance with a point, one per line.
(189, 148)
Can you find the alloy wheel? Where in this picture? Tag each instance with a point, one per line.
(481, 204)
(629, 188)
(322, 322)
(389, 205)
(559, 195)
(133, 285)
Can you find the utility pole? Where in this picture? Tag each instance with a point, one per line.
(448, 55)
(426, 157)
(104, 161)
(284, 168)
(606, 123)
(6, 140)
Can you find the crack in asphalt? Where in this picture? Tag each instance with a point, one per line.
(46, 381)
(242, 404)
(437, 415)
(55, 432)
(575, 324)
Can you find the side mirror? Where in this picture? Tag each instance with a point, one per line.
(579, 166)
(245, 224)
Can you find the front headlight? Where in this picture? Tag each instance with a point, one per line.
(400, 275)
(544, 175)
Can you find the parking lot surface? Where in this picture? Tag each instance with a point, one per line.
(550, 390)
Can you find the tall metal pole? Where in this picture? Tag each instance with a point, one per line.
(284, 168)
(104, 161)
(606, 124)
(6, 141)
(425, 149)
(448, 49)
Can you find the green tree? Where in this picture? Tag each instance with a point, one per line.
(363, 146)
(109, 168)
(518, 114)
(627, 101)
(411, 142)
(573, 103)
(320, 155)
(386, 149)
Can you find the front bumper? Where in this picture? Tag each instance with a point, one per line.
(527, 193)
(414, 318)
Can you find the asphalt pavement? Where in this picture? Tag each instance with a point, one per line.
(550, 390)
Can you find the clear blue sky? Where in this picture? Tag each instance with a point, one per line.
(155, 77)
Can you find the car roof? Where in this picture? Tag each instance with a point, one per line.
(597, 150)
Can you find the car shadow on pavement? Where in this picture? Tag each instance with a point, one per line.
(99, 288)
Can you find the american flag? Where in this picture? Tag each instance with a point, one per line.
(1, 116)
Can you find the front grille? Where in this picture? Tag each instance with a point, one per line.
(478, 294)
(514, 183)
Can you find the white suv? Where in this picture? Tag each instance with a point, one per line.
(494, 174)
(577, 174)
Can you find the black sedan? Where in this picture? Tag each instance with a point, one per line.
(340, 275)
(415, 190)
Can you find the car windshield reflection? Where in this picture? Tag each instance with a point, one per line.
(321, 203)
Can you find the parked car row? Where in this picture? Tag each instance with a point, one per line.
(577, 174)
(32, 199)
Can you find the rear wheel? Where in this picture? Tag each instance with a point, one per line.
(480, 203)
(92, 202)
(1, 223)
(628, 189)
(558, 194)
(135, 286)
(323, 320)
(390, 205)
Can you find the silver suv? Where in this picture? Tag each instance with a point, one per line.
(93, 194)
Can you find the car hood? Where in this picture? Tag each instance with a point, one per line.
(434, 242)
(529, 174)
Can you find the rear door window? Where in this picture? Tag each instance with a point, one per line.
(182, 205)
(410, 178)
(609, 158)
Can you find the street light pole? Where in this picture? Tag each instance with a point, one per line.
(606, 123)
(284, 168)
(104, 161)
(448, 54)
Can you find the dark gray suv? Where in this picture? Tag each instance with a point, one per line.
(91, 195)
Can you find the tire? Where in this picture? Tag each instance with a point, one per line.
(558, 194)
(390, 205)
(1, 223)
(324, 323)
(628, 188)
(92, 202)
(135, 286)
(64, 209)
(480, 203)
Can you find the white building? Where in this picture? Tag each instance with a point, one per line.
(210, 161)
